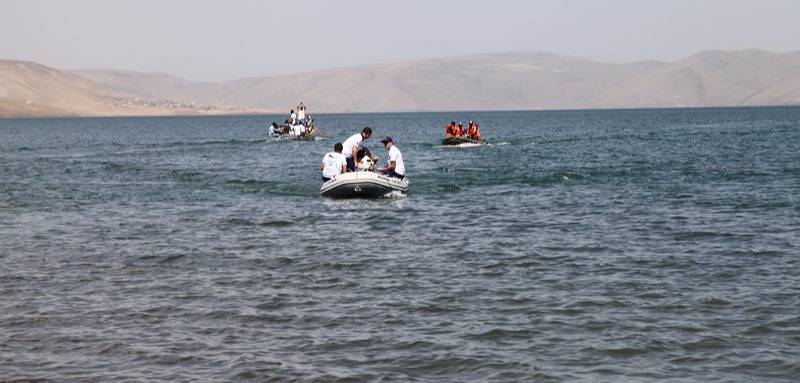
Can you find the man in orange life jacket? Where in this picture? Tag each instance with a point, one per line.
(472, 131)
(450, 129)
(460, 129)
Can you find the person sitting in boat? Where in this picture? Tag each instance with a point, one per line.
(395, 167)
(299, 130)
(333, 163)
(460, 129)
(450, 129)
(472, 131)
(354, 148)
(275, 130)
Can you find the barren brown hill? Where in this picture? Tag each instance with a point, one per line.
(28, 88)
(509, 81)
(31, 89)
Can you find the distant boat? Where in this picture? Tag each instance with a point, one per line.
(310, 135)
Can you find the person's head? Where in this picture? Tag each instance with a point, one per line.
(291, 111)
(460, 124)
(453, 123)
(338, 147)
(275, 124)
(366, 132)
(387, 141)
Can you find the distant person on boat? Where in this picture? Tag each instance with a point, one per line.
(301, 113)
(354, 148)
(333, 163)
(275, 130)
(459, 129)
(299, 130)
(395, 168)
(450, 129)
(293, 117)
(472, 131)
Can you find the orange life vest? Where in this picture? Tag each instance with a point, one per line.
(473, 131)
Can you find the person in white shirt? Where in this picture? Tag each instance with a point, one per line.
(274, 130)
(333, 163)
(354, 148)
(396, 167)
(301, 113)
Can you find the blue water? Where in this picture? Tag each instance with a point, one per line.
(579, 246)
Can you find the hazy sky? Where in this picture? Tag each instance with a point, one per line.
(206, 40)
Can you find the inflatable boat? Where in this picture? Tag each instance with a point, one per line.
(311, 135)
(363, 183)
(460, 140)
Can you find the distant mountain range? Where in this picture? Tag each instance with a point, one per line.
(509, 81)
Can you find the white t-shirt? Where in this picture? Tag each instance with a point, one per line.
(354, 140)
(395, 155)
(333, 164)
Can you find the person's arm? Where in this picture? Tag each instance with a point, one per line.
(391, 166)
(354, 149)
(322, 165)
(344, 167)
(366, 150)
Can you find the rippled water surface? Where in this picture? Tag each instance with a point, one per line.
(579, 246)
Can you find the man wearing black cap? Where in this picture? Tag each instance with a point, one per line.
(395, 168)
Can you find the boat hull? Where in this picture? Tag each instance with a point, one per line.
(362, 184)
(291, 137)
(459, 140)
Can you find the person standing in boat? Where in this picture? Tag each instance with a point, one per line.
(395, 168)
(354, 148)
(333, 163)
(293, 117)
(301, 113)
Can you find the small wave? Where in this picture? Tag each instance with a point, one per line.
(173, 258)
(240, 222)
(277, 223)
(252, 186)
(186, 176)
(450, 188)
(700, 234)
